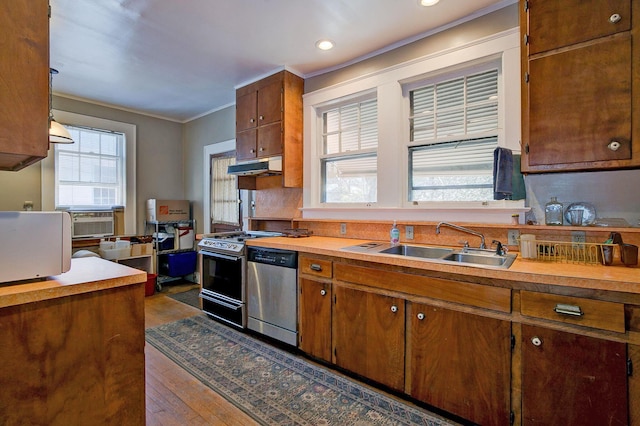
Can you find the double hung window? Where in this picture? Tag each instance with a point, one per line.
(453, 128)
(91, 171)
(224, 191)
(349, 152)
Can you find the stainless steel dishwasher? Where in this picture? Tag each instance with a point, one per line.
(272, 293)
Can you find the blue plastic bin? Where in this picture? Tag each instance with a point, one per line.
(178, 264)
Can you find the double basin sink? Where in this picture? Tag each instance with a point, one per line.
(464, 256)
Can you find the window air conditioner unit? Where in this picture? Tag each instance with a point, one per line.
(91, 223)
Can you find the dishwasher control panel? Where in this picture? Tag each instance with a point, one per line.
(277, 257)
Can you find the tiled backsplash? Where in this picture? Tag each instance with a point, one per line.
(425, 232)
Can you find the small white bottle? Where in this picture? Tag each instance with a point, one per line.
(394, 234)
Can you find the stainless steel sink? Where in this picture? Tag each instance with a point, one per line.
(418, 251)
(445, 255)
(481, 259)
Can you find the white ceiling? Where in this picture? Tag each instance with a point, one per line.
(180, 59)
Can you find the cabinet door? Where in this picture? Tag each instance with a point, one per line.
(460, 362)
(368, 335)
(24, 83)
(315, 318)
(568, 379)
(554, 24)
(269, 141)
(246, 111)
(246, 145)
(270, 103)
(579, 103)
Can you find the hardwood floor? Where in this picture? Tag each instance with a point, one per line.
(173, 396)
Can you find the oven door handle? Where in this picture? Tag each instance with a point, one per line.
(220, 302)
(222, 256)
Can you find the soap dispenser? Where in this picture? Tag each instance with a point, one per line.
(394, 234)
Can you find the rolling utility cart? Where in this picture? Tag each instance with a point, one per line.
(174, 249)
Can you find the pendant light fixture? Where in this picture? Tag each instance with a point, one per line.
(57, 132)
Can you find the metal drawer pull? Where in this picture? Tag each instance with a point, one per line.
(315, 267)
(420, 316)
(574, 310)
(323, 292)
(615, 18)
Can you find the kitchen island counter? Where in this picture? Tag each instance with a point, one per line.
(617, 278)
(86, 275)
(72, 347)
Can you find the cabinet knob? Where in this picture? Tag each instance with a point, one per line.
(252, 120)
(420, 316)
(253, 151)
(614, 145)
(261, 149)
(536, 341)
(615, 18)
(261, 117)
(394, 309)
(323, 292)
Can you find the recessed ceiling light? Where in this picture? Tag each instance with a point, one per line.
(427, 2)
(324, 44)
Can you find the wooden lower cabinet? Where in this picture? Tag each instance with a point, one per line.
(368, 335)
(459, 362)
(315, 318)
(569, 379)
(74, 360)
(472, 356)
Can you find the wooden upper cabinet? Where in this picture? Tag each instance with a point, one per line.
(24, 83)
(270, 98)
(554, 24)
(269, 123)
(578, 104)
(246, 111)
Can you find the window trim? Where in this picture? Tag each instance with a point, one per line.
(48, 164)
(392, 178)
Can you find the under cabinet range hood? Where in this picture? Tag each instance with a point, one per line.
(263, 166)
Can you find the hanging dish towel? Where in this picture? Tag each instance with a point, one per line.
(502, 174)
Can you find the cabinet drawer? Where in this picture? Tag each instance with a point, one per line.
(316, 267)
(573, 310)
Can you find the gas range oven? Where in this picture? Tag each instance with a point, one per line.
(222, 266)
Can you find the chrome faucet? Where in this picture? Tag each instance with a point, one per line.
(462, 229)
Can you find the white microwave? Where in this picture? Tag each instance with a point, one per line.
(34, 245)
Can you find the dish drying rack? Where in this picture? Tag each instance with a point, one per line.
(574, 252)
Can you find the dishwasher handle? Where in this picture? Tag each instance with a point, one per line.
(275, 257)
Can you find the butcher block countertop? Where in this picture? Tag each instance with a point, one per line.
(86, 275)
(618, 278)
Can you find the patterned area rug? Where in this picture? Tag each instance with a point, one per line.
(273, 386)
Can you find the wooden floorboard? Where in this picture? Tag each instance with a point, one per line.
(173, 396)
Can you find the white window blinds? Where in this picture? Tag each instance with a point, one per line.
(453, 133)
(458, 108)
